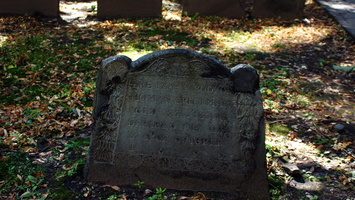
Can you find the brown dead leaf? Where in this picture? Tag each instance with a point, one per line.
(73, 122)
(329, 180)
(19, 177)
(61, 157)
(113, 187)
(39, 174)
(199, 196)
(346, 181)
(343, 180)
(320, 147)
(28, 192)
(184, 198)
(88, 192)
(292, 135)
(40, 119)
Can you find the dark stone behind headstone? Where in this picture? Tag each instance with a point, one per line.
(108, 9)
(286, 9)
(49, 8)
(179, 120)
(221, 8)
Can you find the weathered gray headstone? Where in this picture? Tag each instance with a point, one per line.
(221, 8)
(49, 8)
(180, 120)
(107, 9)
(286, 9)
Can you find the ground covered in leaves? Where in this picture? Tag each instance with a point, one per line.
(48, 74)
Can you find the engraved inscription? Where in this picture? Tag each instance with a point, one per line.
(105, 139)
(178, 109)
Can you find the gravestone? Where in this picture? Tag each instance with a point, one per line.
(180, 120)
(221, 8)
(286, 9)
(107, 9)
(49, 8)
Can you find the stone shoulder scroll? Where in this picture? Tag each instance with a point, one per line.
(180, 120)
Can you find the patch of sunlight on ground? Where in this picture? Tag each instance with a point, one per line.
(171, 10)
(272, 38)
(297, 147)
(172, 16)
(76, 10)
(134, 54)
(110, 38)
(299, 99)
(3, 40)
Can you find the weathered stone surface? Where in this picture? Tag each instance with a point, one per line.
(107, 9)
(287, 9)
(48, 8)
(291, 168)
(221, 8)
(177, 119)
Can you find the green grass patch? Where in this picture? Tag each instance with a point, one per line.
(27, 178)
(170, 35)
(280, 129)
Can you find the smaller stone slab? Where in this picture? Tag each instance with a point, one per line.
(108, 9)
(286, 9)
(343, 11)
(221, 8)
(49, 8)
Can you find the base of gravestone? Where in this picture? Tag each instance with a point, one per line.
(48, 8)
(221, 8)
(255, 188)
(108, 9)
(286, 9)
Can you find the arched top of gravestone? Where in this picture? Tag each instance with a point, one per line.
(244, 76)
(216, 68)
